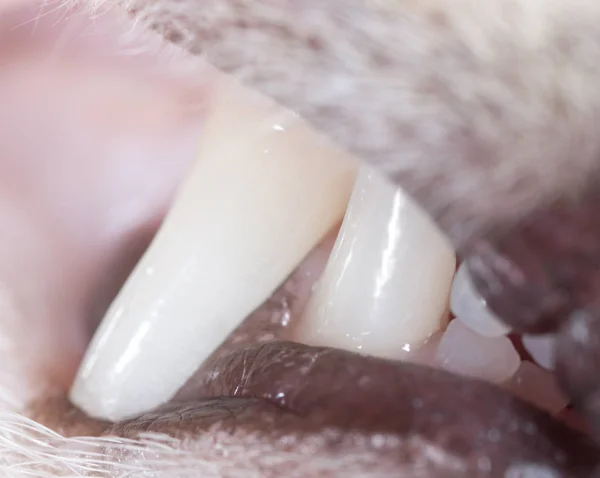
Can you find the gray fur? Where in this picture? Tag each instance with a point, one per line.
(482, 110)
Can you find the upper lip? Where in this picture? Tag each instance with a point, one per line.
(454, 424)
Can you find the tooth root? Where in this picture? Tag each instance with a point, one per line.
(465, 352)
(470, 308)
(385, 288)
(541, 348)
(264, 191)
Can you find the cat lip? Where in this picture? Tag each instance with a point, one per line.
(464, 423)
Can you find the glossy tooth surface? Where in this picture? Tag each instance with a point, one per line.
(541, 348)
(385, 288)
(467, 353)
(265, 190)
(537, 386)
(470, 308)
(425, 354)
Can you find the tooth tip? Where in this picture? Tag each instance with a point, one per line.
(91, 403)
(102, 405)
(541, 348)
(100, 398)
(471, 309)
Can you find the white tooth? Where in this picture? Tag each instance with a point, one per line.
(426, 353)
(537, 386)
(541, 348)
(467, 353)
(385, 288)
(264, 191)
(469, 307)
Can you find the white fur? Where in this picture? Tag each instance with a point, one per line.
(28, 449)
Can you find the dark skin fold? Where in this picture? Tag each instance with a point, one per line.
(379, 396)
(402, 418)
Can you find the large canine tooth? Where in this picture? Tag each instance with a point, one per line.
(264, 191)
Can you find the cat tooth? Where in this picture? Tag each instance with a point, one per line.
(470, 308)
(541, 348)
(264, 191)
(465, 352)
(385, 288)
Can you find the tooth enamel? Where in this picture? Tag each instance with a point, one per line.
(467, 353)
(541, 348)
(264, 191)
(537, 386)
(385, 288)
(469, 307)
(426, 353)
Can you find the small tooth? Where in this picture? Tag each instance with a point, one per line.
(541, 348)
(264, 191)
(385, 288)
(537, 386)
(467, 353)
(470, 308)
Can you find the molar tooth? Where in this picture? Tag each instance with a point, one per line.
(470, 308)
(385, 288)
(264, 191)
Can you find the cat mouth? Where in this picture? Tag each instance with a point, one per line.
(265, 408)
(115, 131)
